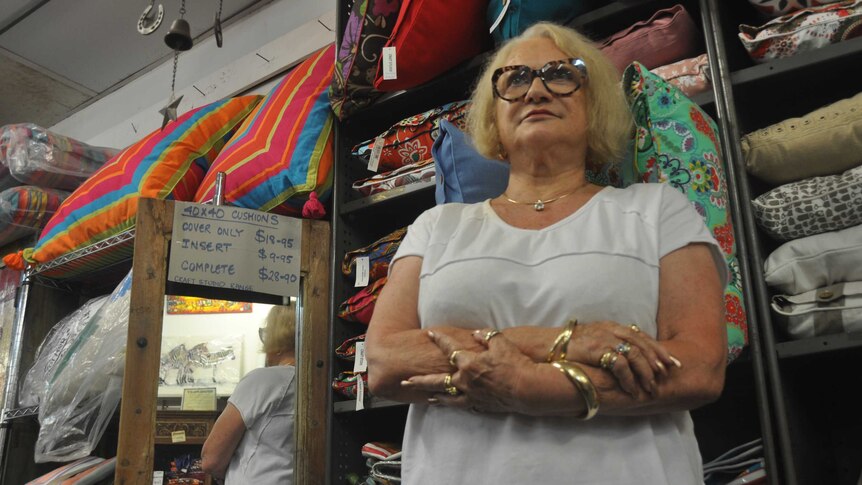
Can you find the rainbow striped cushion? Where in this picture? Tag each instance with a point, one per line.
(166, 164)
(284, 150)
(25, 209)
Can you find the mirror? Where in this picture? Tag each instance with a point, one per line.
(208, 347)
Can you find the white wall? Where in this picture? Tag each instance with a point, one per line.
(256, 48)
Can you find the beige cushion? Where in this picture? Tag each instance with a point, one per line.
(824, 142)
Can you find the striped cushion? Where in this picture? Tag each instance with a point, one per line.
(166, 164)
(25, 209)
(283, 151)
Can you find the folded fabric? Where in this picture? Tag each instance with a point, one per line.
(801, 31)
(367, 29)
(677, 143)
(388, 470)
(783, 152)
(360, 307)
(691, 76)
(668, 36)
(510, 18)
(406, 175)
(828, 310)
(380, 450)
(36, 156)
(379, 254)
(347, 349)
(346, 382)
(811, 262)
(811, 206)
(775, 8)
(430, 37)
(409, 140)
(463, 175)
(25, 209)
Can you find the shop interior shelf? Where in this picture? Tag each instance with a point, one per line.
(815, 345)
(372, 403)
(811, 62)
(419, 189)
(19, 412)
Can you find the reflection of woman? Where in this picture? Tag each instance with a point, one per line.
(506, 387)
(252, 440)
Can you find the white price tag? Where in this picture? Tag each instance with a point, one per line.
(363, 267)
(359, 362)
(390, 66)
(158, 477)
(360, 394)
(374, 159)
(178, 436)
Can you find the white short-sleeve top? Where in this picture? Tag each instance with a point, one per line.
(599, 263)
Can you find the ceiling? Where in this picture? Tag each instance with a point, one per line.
(58, 56)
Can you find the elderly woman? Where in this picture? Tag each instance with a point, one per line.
(252, 440)
(559, 332)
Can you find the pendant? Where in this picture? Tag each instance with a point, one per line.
(539, 206)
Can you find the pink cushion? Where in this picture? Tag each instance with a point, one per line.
(668, 36)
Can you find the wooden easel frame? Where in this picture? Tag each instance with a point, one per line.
(140, 385)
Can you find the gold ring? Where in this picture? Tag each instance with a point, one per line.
(635, 328)
(447, 385)
(452, 357)
(608, 359)
(623, 348)
(491, 334)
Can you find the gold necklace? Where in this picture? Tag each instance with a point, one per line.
(539, 204)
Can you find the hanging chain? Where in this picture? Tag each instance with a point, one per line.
(183, 8)
(219, 8)
(174, 75)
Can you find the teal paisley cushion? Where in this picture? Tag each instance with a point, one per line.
(677, 143)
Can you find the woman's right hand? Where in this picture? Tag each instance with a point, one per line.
(635, 369)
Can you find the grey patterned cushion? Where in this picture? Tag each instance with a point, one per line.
(811, 206)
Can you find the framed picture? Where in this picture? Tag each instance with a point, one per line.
(190, 305)
(199, 361)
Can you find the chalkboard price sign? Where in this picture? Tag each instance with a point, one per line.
(232, 247)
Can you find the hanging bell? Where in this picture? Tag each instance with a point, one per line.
(179, 38)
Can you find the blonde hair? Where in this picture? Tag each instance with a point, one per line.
(610, 121)
(280, 330)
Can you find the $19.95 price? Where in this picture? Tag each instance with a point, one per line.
(271, 275)
(260, 236)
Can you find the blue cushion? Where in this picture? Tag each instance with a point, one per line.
(462, 174)
(520, 14)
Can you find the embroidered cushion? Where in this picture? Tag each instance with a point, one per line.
(166, 164)
(801, 31)
(691, 76)
(36, 156)
(406, 175)
(677, 143)
(410, 140)
(360, 307)
(346, 381)
(432, 36)
(668, 36)
(366, 32)
(379, 254)
(811, 206)
(783, 152)
(25, 209)
(811, 262)
(774, 8)
(510, 18)
(347, 349)
(284, 150)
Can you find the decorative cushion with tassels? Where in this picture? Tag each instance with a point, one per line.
(677, 143)
(166, 164)
(284, 151)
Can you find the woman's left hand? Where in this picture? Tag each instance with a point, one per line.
(485, 381)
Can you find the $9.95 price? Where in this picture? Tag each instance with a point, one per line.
(274, 257)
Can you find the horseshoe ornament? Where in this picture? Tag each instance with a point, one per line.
(154, 20)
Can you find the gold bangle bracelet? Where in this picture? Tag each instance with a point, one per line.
(558, 350)
(584, 385)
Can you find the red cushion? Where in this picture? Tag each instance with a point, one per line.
(433, 36)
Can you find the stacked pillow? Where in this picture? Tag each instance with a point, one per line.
(816, 211)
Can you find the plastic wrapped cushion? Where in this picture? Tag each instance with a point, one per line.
(54, 346)
(85, 388)
(36, 156)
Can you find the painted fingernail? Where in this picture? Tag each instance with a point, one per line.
(661, 366)
(676, 361)
(406, 383)
(433, 401)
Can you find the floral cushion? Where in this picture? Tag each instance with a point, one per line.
(691, 76)
(406, 175)
(379, 254)
(368, 28)
(410, 140)
(801, 31)
(677, 143)
(775, 8)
